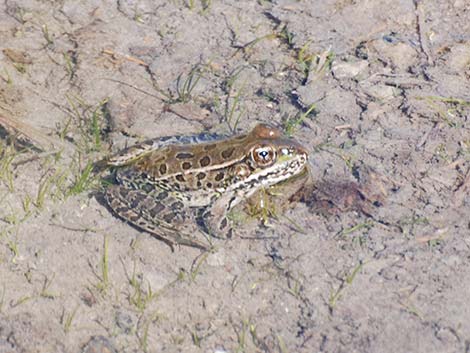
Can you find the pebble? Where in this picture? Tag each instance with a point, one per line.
(99, 344)
(124, 321)
(217, 258)
(345, 70)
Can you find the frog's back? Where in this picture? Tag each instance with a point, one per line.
(133, 153)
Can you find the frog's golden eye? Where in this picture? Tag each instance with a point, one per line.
(263, 156)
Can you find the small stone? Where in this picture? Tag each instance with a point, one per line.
(124, 322)
(8, 345)
(99, 344)
(216, 259)
(401, 54)
(379, 91)
(452, 261)
(311, 93)
(458, 59)
(343, 70)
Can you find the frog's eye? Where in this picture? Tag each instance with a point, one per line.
(263, 156)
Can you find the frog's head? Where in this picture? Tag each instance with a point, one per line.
(273, 158)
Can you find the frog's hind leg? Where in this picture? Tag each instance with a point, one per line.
(148, 212)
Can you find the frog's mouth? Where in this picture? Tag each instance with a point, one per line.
(272, 175)
(282, 171)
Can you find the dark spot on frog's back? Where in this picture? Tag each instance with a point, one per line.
(186, 165)
(121, 210)
(200, 176)
(123, 192)
(184, 155)
(205, 161)
(161, 196)
(159, 207)
(168, 218)
(223, 223)
(210, 147)
(148, 187)
(137, 199)
(219, 176)
(180, 178)
(163, 168)
(177, 205)
(227, 153)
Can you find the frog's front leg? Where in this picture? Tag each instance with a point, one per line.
(215, 217)
(214, 220)
(278, 198)
(263, 201)
(157, 213)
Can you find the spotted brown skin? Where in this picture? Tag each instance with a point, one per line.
(206, 165)
(194, 183)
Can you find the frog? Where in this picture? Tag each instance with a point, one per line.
(182, 188)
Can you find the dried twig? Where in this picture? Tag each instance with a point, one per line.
(125, 57)
(29, 134)
(420, 24)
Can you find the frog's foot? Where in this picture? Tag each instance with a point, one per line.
(160, 215)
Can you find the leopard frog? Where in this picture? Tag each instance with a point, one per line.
(181, 188)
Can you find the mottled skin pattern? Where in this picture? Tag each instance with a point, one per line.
(181, 188)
